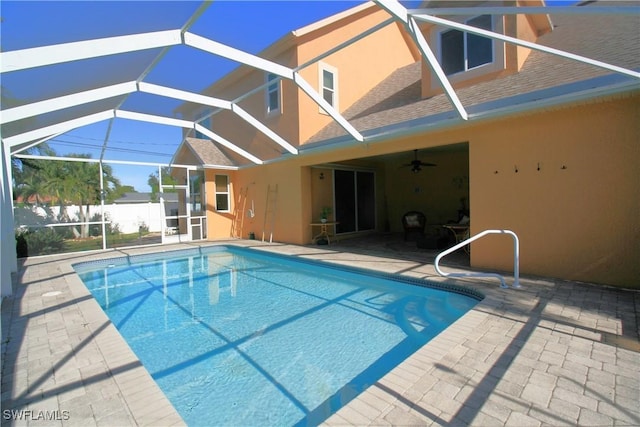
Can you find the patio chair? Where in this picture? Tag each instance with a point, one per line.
(413, 223)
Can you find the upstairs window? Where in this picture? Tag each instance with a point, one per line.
(329, 85)
(461, 51)
(273, 93)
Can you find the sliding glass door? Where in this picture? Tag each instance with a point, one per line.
(355, 205)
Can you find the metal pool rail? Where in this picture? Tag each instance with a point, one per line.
(516, 259)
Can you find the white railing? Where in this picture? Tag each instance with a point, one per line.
(516, 259)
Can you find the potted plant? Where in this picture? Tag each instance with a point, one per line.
(324, 215)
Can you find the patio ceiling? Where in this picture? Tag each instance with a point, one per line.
(73, 75)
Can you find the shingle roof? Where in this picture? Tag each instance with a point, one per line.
(613, 39)
(210, 153)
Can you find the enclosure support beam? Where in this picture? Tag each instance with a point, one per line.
(222, 141)
(8, 257)
(102, 194)
(58, 128)
(242, 113)
(237, 55)
(67, 101)
(535, 46)
(308, 89)
(66, 52)
(431, 60)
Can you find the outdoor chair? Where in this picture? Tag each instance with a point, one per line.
(413, 223)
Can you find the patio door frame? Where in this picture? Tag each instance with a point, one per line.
(357, 199)
(191, 222)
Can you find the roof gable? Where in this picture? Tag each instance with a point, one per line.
(206, 153)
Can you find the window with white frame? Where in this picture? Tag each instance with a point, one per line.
(461, 51)
(272, 93)
(328, 84)
(222, 193)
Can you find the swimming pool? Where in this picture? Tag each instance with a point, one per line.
(235, 336)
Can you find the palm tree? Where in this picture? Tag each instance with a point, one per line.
(63, 183)
(81, 185)
(32, 188)
(28, 175)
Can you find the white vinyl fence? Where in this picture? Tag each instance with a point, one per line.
(128, 218)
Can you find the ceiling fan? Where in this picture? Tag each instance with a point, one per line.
(416, 165)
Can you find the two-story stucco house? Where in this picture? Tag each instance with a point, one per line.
(550, 148)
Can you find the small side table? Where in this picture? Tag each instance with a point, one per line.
(324, 232)
(460, 233)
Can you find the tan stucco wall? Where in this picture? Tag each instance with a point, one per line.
(579, 222)
(379, 54)
(577, 217)
(220, 224)
(250, 185)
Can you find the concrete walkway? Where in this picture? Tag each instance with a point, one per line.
(551, 353)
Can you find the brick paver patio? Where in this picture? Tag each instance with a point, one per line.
(552, 353)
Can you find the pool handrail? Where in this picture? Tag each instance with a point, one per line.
(503, 284)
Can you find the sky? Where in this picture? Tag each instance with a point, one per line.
(240, 24)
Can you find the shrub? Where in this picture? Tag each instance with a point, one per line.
(39, 242)
(143, 228)
(96, 229)
(22, 248)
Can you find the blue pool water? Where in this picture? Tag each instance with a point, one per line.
(235, 336)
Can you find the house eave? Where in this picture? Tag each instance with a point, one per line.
(221, 167)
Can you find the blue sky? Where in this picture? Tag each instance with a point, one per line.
(240, 24)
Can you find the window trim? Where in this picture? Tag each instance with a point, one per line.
(498, 62)
(268, 91)
(323, 66)
(227, 192)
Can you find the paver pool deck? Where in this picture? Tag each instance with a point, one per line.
(551, 353)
